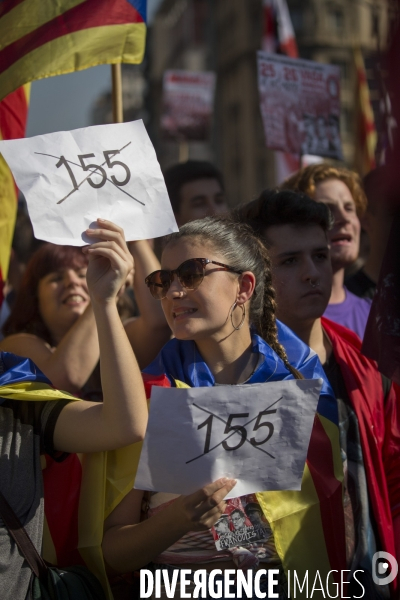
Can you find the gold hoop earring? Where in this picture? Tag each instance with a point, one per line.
(242, 306)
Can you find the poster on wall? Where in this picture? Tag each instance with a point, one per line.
(300, 105)
(188, 102)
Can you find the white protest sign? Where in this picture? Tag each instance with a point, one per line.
(71, 178)
(300, 105)
(188, 102)
(258, 434)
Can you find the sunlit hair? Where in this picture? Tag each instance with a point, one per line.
(243, 251)
(306, 179)
(25, 316)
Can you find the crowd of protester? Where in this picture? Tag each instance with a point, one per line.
(264, 292)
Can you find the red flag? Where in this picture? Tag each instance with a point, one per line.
(13, 118)
(382, 334)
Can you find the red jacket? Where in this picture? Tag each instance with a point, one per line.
(379, 425)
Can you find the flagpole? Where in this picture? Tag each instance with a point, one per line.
(118, 114)
(183, 151)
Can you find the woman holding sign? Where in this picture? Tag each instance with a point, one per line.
(216, 292)
(52, 321)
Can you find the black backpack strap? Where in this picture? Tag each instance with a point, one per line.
(22, 539)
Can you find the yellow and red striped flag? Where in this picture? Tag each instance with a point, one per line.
(13, 118)
(79, 492)
(42, 38)
(367, 132)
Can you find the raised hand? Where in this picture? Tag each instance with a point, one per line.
(110, 261)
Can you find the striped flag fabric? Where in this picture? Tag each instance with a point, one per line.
(42, 38)
(79, 492)
(278, 29)
(13, 118)
(279, 36)
(367, 131)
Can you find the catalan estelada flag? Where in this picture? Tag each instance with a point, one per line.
(42, 38)
(278, 34)
(79, 492)
(13, 118)
(308, 525)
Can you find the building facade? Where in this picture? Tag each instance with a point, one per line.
(224, 36)
(329, 31)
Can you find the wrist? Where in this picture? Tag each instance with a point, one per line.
(177, 516)
(103, 304)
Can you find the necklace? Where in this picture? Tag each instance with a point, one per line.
(254, 369)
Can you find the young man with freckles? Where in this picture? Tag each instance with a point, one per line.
(294, 228)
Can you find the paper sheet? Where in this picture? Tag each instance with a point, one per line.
(258, 434)
(70, 178)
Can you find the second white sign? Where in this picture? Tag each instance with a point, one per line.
(258, 434)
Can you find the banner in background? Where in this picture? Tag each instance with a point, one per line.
(300, 105)
(188, 102)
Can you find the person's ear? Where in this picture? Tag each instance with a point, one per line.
(247, 284)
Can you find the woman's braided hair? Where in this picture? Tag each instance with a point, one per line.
(243, 251)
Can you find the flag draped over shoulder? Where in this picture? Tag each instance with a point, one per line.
(13, 118)
(308, 526)
(79, 492)
(378, 416)
(42, 38)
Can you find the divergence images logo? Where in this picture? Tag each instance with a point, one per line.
(384, 568)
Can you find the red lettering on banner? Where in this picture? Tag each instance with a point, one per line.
(290, 74)
(312, 75)
(267, 70)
